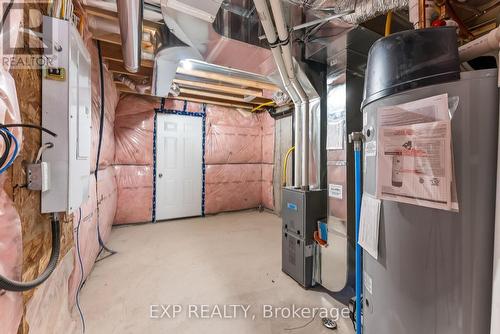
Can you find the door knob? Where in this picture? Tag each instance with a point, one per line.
(160, 175)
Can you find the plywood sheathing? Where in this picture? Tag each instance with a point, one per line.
(36, 227)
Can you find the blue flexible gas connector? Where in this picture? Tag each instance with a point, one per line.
(359, 251)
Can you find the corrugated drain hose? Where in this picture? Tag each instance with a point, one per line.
(10, 285)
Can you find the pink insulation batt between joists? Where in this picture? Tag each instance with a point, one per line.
(135, 194)
(100, 208)
(241, 144)
(233, 187)
(11, 244)
(107, 153)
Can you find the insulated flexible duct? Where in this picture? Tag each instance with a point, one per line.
(10, 285)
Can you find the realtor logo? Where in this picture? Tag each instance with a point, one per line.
(21, 36)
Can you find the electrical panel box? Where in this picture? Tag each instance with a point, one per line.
(66, 110)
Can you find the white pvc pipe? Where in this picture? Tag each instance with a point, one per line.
(478, 47)
(272, 38)
(283, 34)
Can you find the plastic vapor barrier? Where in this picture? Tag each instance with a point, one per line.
(232, 136)
(107, 198)
(267, 138)
(267, 186)
(134, 126)
(110, 101)
(48, 310)
(238, 143)
(11, 257)
(87, 240)
(233, 187)
(135, 194)
(11, 245)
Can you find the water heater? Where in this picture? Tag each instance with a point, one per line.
(434, 268)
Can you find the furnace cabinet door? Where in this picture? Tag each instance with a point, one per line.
(179, 166)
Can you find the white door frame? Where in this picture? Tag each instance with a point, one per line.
(173, 204)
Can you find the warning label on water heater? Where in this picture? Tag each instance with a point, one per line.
(335, 191)
(414, 164)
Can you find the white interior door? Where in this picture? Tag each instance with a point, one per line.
(178, 166)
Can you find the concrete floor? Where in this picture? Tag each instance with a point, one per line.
(227, 259)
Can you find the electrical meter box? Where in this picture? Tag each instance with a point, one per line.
(66, 110)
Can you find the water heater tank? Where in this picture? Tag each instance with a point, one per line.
(411, 59)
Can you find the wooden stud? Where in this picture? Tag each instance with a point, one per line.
(219, 88)
(117, 67)
(226, 78)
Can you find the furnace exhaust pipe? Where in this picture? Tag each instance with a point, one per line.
(130, 15)
(272, 38)
(285, 43)
(282, 53)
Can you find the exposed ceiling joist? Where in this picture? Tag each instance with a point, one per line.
(227, 79)
(221, 96)
(114, 52)
(117, 67)
(219, 88)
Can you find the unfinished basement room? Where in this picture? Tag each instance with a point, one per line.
(249, 166)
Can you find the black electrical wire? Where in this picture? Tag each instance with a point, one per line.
(6, 283)
(6, 13)
(101, 129)
(11, 285)
(82, 276)
(8, 142)
(31, 126)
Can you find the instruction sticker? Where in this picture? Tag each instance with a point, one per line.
(335, 191)
(371, 149)
(368, 283)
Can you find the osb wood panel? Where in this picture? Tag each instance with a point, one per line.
(36, 227)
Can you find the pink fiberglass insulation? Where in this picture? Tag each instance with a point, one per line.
(134, 138)
(108, 143)
(180, 105)
(88, 242)
(135, 194)
(134, 126)
(106, 201)
(233, 187)
(232, 145)
(194, 107)
(267, 186)
(267, 138)
(11, 256)
(11, 245)
(48, 310)
(133, 104)
(110, 101)
(232, 136)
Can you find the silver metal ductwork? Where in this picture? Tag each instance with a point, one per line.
(169, 51)
(217, 47)
(130, 15)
